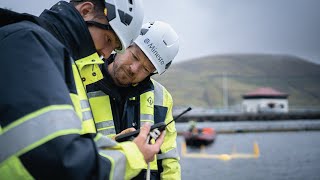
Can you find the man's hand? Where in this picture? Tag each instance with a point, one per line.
(124, 132)
(148, 150)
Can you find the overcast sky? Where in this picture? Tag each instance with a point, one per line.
(210, 27)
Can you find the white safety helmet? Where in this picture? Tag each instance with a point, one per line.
(160, 43)
(125, 17)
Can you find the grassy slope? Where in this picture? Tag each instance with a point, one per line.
(199, 82)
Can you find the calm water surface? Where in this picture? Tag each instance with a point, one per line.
(283, 155)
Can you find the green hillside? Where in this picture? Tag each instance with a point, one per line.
(199, 82)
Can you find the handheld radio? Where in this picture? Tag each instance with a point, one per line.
(160, 126)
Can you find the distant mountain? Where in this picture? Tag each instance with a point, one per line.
(199, 82)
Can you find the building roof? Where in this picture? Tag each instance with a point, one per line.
(265, 92)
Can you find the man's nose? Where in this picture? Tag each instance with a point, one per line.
(135, 67)
(107, 52)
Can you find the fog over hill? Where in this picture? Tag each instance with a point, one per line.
(202, 81)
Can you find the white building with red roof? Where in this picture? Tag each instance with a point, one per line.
(265, 100)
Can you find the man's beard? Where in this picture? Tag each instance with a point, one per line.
(119, 75)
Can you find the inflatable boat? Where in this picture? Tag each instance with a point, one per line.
(199, 136)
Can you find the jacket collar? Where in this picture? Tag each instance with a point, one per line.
(66, 24)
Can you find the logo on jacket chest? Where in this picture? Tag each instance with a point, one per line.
(150, 101)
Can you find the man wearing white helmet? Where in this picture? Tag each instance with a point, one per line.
(127, 97)
(47, 129)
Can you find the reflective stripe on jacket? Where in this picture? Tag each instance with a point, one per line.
(90, 73)
(153, 105)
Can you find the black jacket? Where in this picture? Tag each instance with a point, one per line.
(36, 57)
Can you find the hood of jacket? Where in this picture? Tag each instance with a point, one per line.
(65, 22)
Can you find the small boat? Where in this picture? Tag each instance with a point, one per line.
(199, 136)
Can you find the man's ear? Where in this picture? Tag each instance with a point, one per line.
(86, 10)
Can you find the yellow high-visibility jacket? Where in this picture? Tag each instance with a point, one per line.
(46, 124)
(147, 102)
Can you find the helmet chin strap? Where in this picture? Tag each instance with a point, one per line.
(100, 25)
(151, 74)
